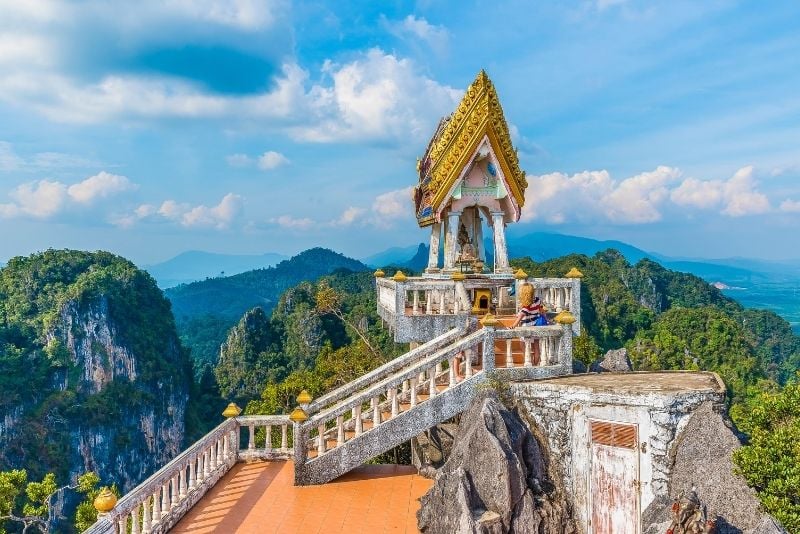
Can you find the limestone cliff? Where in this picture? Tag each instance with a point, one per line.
(97, 378)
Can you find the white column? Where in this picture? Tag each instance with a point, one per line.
(478, 234)
(451, 240)
(500, 249)
(433, 253)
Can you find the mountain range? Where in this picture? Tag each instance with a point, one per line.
(195, 265)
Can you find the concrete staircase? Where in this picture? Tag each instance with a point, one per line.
(417, 391)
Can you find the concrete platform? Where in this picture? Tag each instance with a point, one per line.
(641, 382)
(261, 498)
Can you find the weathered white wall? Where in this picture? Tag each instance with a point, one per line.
(561, 414)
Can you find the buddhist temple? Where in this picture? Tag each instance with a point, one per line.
(469, 178)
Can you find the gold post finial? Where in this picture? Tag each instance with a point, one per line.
(574, 273)
(489, 320)
(298, 415)
(232, 410)
(399, 277)
(565, 317)
(520, 274)
(105, 501)
(379, 273)
(304, 398)
(458, 277)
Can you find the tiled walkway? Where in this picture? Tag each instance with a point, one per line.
(260, 498)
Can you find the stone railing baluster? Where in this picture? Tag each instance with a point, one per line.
(135, 525)
(251, 442)
(509, 353)
(359, 423)
(268, 438)
(340, 431)
(432, 382)
(321, 439)
(376, 412)
(395, 400)
(157, 506)
(284, 437)
(451, 376)
(413, 400)
(528, 360)
(468, 363)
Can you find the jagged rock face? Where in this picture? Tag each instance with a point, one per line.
(495, 480)
(615, 361)
(102, 383)
(147, 434)
(701, 458)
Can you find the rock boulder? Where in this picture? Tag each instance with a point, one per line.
(495, 480)
(615, 361)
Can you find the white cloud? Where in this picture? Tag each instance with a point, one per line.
(703, 194)
(741, 197)
(376, 97)
(394, 204)
(100, 185)
(418, 29)
(350, 216)
(637, 199)
(593, 196)
(9, 161)
(220, 216)
(239, 160)
(40, 199)
(790, 206)
(45, 199)
(271, 160)
(243, 14)
(287, 221)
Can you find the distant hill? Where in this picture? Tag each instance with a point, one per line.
(392, 256)
(231, 296)
(205, 310)
(195, 265)
(542, 246)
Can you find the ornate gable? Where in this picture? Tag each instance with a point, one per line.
(456, 139)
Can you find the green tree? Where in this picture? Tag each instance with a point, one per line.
(770, 462)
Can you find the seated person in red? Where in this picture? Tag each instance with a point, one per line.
(531, 312)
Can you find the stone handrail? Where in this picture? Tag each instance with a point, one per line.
(429, 367)
(385, 370)
(157, 504)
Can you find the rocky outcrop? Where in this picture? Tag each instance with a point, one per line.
(495, 480)
(701, 459)
(615, 361)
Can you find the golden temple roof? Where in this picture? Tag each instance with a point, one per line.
(456, 139)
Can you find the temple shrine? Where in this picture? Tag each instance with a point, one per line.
(263, 473)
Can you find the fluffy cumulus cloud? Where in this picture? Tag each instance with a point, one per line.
(594, 196)
(54, 71)
(45, 199)
(790, 206)
(271, 160)
(394, 204)
(220, 216)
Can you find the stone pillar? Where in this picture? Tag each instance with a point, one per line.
(433, 253)
(477, 232)
(500, 249)
(451, 240)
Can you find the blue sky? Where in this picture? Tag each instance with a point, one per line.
(241, 126)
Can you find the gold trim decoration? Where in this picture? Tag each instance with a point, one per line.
(478, 114)
(304, 398)
(458, 277)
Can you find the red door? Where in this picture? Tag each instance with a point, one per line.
(614, 481)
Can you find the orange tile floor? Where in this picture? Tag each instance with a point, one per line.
(260, 498)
